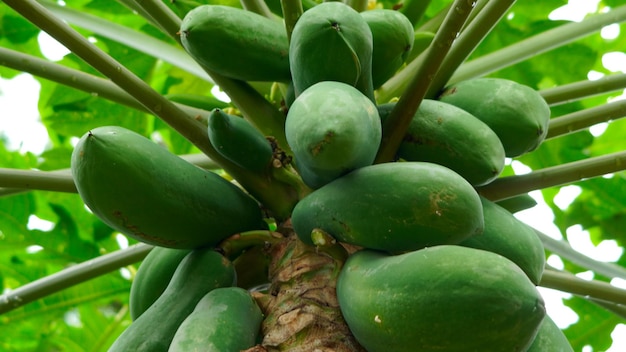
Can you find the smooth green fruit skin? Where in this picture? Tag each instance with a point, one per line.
(450, 136)
(226, 319)
(443, 298)
(332, 129)
(152, 277)
(504, 234)
(200, 272)
(517, 113)
(550, 338)
(517, 203)
(331, 42)
(237, 43)
(423, 204)
(392, 38)
(145, 192)
(239, 141)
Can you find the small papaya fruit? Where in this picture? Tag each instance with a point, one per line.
(392, 38)
(152, 277)
(239, 141)
(450, 136)
(443, 298)
(422, 204)
(201, 271)
(225, 319)
(145, 192)
(517, 203)
(517, 113)
(550, 338)
(506, 235)
(237, 43)
(332, 129)
(331, 42)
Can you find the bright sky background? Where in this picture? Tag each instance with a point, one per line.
(19, 120)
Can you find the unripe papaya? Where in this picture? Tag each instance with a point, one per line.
(237, 43)
(152, 277)
(517, 203)
(517, 113)
(443, 298)
(145, 192)
(225, 319)
(332, 129)
(331, 42)
(450, 136)
(200, 272)
(504, 234)
(392, 37)
(550, 338)
(394, 207)
(239, 141)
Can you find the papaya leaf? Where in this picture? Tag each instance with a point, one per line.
(593, 327)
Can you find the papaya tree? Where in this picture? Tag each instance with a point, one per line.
(311, 176)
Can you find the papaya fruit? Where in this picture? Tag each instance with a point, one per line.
(237, 43)
(239, 141)
(422, 204)
(201, 271)
(443, 298)
(392, 41)
(332, 129)
(331, 42)
(517, 113)
(145, 192)
(450, 136)
(517, 203)
(225, 319)
(506, 235)
(152, 277)
(550, 338)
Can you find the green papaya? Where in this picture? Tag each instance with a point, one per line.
(443, 298)
(145, 192)
(422, 204)
(237, 43)
(550, 338)
(332, 129)
(203, 102)
(421, 42)
(392, 38)
(201, 271)
(225, 319)
(517, 113)
(239, 141)
(517, 203)
(506, 235)
(331, 42)
(450, 136)
(152, 277)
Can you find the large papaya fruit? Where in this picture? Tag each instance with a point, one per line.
(421, 204)
(237, 43)
(225, 319)
(143, 191)
(331, 42)
(517, 113)
(152, 277)
(442, 298)
(450, 136)
(332, 129)
(200, 272)
(504, 234)
(550, 338)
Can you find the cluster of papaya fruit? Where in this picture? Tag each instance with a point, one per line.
(434, 266)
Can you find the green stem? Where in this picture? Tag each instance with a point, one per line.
(258, 7)
(165, 18)
(72, 275)
(568, 282)
(617, 309)
(233, 246)
(537, 44)
(400, 117)
(292, 10)
(574, 91)
(581, 119)
(510, 186)
(357, 5)
(133, 6)
(414, 10)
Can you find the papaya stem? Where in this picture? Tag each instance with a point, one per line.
(159, 13)
(537, 44)
(72, 275)
(574, 91)
(567, 282)
(234, 245)
(581, 119)
(292, 10)
(414, 10)
(258, 7)
(510, 186)
(133, 5)
(357, 5)
(400, 117)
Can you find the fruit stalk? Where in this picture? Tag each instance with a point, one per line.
(574, 91)
(581, 119)
(292, 10)
(570, 283)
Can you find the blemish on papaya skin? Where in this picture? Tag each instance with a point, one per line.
(319, 147)
(437, 198)
(140, 234)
